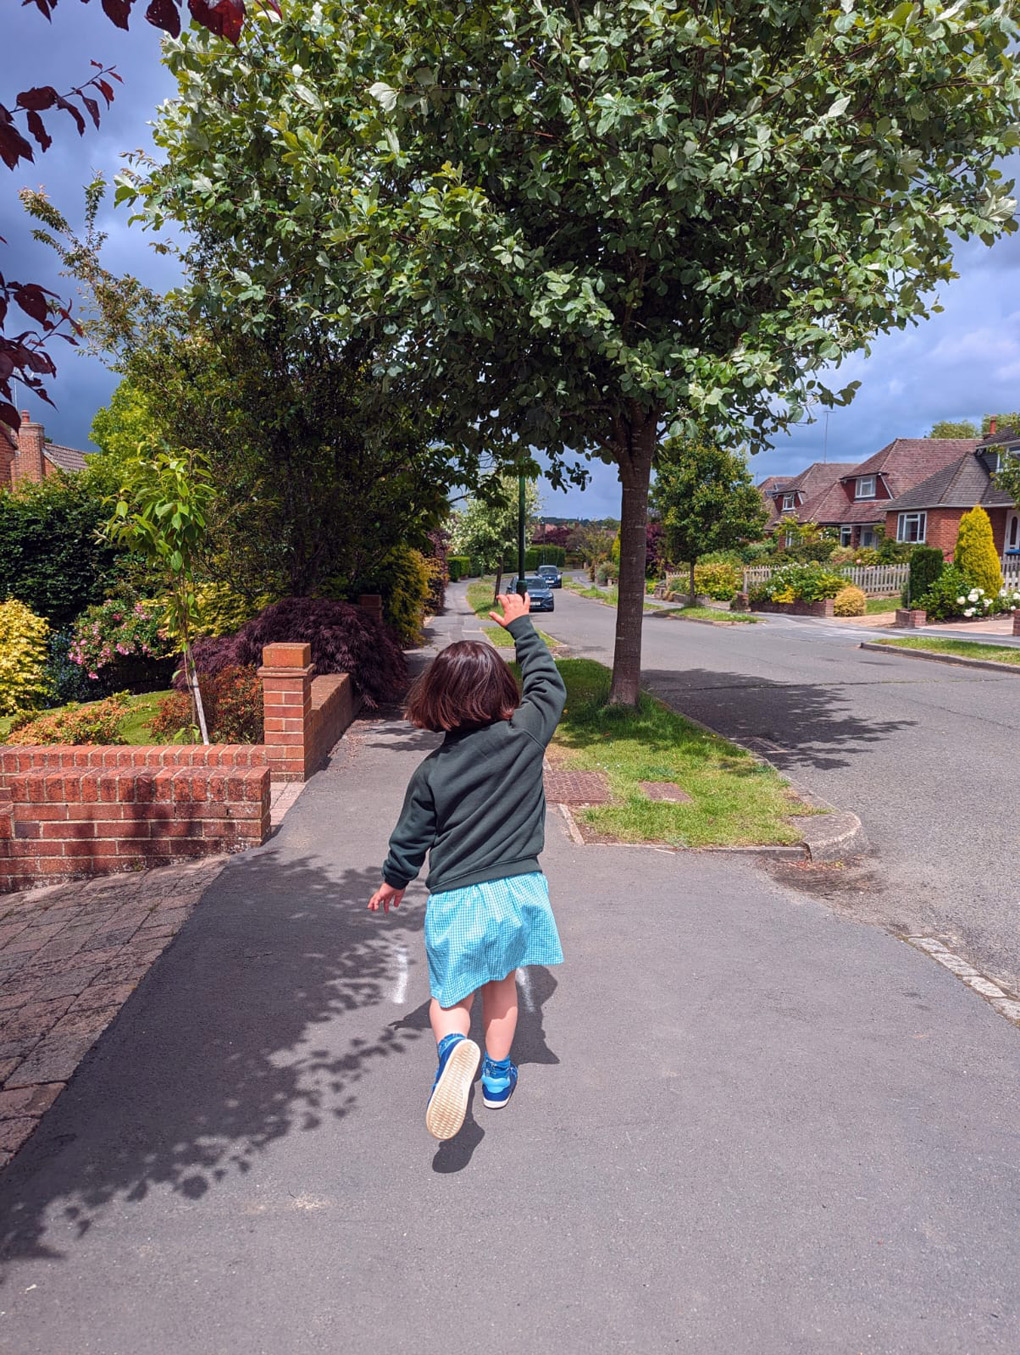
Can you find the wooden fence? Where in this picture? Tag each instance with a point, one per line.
(875, 580)
(1011, 573)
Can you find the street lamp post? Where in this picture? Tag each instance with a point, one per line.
(520, 535)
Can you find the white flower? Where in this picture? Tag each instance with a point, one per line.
(968, 611)
(973, 595)
(961, 601)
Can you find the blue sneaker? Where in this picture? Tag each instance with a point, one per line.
(498, 1082)
(458, 1063)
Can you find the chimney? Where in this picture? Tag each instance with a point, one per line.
(28, 466)
(991, 425)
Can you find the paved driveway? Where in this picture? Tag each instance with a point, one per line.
(928, 756)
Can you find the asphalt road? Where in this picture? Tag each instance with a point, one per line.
(926, 754)
(745, 1126)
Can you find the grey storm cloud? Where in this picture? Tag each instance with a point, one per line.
(962, 363)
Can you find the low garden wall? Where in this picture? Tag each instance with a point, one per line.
(67, 812)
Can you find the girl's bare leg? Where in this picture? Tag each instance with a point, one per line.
(454, 1020)
(499, 1013)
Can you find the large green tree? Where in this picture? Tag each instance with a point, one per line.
(321, 463)
(706, 499)
(950, 428)
(592, 224)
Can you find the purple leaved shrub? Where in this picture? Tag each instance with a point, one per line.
(343, 639)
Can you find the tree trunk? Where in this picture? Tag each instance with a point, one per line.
(196, 691)
(693, 593)
(635, 447)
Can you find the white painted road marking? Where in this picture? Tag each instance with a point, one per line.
(399, 994)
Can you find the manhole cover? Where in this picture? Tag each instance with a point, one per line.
(665, 790)
(576, 788)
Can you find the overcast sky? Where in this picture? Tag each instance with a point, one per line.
(960, 364)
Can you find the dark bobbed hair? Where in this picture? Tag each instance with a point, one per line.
(466, 684)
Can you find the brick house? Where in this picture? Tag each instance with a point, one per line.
(930, 512)
(788, 497)
(26, 456)
(856, 505)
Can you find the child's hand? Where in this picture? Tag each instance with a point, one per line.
(385, 895)
(513, 605)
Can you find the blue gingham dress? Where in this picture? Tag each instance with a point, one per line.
(481, 933)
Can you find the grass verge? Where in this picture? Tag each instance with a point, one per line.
(713, 614)
(964, 649)
(736, 800)
(502, 639)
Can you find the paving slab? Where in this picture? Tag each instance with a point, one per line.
(744, 1124)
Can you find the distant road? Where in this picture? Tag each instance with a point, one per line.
(927, 755)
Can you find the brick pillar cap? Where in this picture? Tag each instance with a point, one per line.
(287, 655)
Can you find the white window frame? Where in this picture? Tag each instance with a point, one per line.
(789, 502)
(868, 538)
(921, 520)
(789, 539)
(846, 536)
(860, 492)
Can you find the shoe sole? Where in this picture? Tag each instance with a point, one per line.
(448, 1104)
(496, 1105)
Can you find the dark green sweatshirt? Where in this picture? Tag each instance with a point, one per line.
(477, 804)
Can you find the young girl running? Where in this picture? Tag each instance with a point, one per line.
(477, 805)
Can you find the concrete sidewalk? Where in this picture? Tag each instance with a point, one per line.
(744, 1125)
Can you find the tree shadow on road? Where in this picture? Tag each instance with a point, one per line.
(799, 723)
(253, 1024)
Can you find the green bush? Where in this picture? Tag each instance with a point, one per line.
(544, 555)
(799, 583)
(50, 556)
(405, 585)
(222, 611)
(926, 565)
(459, 567)
(96, 722)
(947, 597)
(23, 658)
(850, 601)
(975, 553)
(719, 581)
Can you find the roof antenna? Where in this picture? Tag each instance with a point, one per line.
(825, 439)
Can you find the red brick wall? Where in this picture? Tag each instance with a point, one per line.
(85, 821)
(67, 812)
(303, 716)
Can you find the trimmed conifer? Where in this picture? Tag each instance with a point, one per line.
(975, 554)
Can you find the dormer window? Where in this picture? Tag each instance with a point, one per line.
(865, 487)
(788, 502)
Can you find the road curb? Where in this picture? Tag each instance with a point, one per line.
(957, 659)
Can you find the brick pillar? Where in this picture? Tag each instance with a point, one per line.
(286, 675)
(28, 465)
(1016, 623)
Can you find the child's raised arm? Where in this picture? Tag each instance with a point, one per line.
(544, 693)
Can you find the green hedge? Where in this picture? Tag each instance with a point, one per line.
(926, 566)
(545, 555)
(459, 567)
